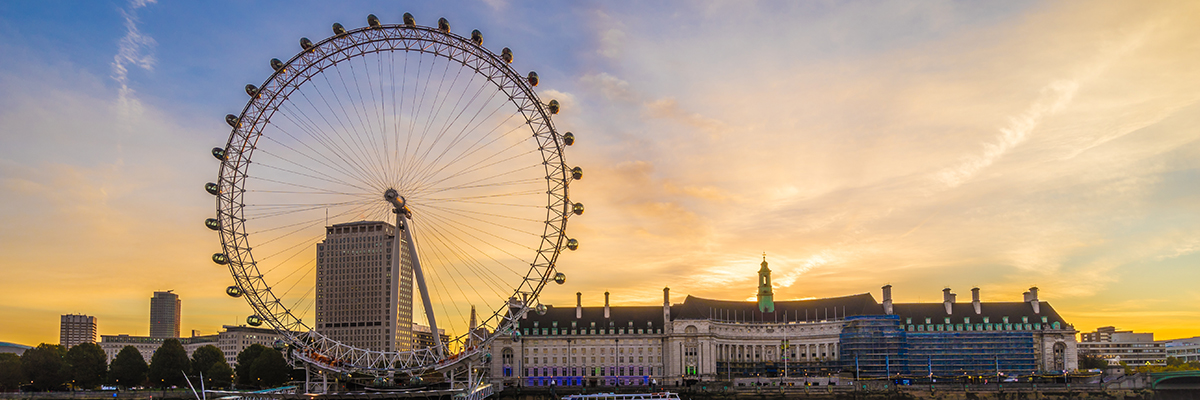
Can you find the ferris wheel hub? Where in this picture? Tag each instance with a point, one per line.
(399, 205)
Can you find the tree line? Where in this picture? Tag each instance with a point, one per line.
(49, 367)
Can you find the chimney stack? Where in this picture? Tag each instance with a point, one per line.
(666, 304)
(1031, 297)
(578, 305)
(948, 300)
(887, 299)
(975, 301)
(605, 304)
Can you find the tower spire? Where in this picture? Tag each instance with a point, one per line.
(766, 296)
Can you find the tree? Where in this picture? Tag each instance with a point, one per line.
(168, 365)
(1092, 362)
(44, 365)
(87, 364)
(11, 376)
(219, 375)
(245, 360)
(128, 368)
(270, 369)
(209, 361)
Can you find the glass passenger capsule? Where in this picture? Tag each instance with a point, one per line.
(553, 106)
(572, 244)
(220, 258)
(251, 90)
(506, 55)
(253, 320)
(338, 29)
(577, 208)
(372, 20)
(477, 37)
(577, 173)
(277, 65)
(409, 20)
(233, 291)
(541, 309)
(306, 44)
(232, 120)
(212, 223)
(568, 138)
(532, 78)
(218, 153)
(560, 278)
(212, 188)
(443, 25)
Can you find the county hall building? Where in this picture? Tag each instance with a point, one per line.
(817, 341)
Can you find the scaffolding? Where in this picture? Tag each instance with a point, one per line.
(878, 346)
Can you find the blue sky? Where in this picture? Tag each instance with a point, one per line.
(926, 145)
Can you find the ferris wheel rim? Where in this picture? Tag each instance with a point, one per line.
(236, 242)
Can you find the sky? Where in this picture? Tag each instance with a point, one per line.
(926, 145)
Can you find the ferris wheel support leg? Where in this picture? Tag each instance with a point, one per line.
(420, 278)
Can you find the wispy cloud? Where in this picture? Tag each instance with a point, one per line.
(134, 50)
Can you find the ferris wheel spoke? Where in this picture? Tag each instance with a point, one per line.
(293, 184)
(309, 127)
(308, 267)
(449, 123)
(496, 224)
(449, 266)
(423, 185)
(442, 208)
(375, 146)
(360, 152)
(498, 175)
(487, 196)
(288, 212)
(458, 224)
(412, 160)
(381, 111)
(347, 154)
(525, 182)
(476, 147)
(462, 133)
(309, 241)
(487, 203)
(475, 239)
(334, 181)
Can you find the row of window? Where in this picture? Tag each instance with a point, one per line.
(611, 359)
(977, 327)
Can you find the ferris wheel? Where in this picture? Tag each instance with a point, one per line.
(386, 160)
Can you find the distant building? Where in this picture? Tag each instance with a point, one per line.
(1131, 348)
(76, 329)
(231, 341)
(798, 341)
(1184, 349)
(237, 338)
(18, 349)
(361, 301)
(164, 315)
(112, 344)
(423, 336)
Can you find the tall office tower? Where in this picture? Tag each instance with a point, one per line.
(76, 329)
(164, 315)
(361, 302)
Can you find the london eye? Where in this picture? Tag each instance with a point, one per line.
(438, 161)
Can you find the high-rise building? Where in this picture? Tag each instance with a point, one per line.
(76, 329)
(164, 315)
(361, 301)
(423, 336)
